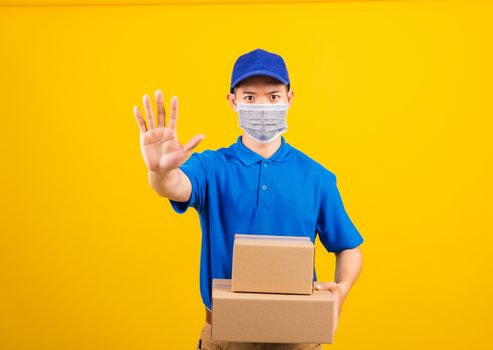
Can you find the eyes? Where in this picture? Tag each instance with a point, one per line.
(272, 98)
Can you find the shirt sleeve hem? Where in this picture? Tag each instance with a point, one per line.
(345, 245)
(181, 207)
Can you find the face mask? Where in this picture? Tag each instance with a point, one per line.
(263, 121)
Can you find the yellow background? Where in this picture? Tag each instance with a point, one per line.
(394, 97)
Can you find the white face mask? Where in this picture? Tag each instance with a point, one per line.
(263, 121)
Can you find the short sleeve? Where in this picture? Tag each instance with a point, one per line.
(194, 169)
(336, 230)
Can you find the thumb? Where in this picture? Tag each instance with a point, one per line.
(188, 148)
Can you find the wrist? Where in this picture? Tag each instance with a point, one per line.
(344, 285)
(160, 181)
(163, 174)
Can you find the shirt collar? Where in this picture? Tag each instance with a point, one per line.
(249, 157)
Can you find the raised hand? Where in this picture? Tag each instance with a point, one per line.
(159, 144)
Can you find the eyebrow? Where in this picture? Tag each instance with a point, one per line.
(254, 93)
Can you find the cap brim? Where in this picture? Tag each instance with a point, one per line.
(257, 72)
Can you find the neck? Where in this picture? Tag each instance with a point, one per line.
(264, 149)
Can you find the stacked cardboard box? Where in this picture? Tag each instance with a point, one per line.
(270, 298)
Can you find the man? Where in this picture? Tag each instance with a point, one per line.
(260, 184)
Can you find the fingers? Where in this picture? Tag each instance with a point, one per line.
(140, 120)
(161, 113)
(173, 113)
(326, 286)
(149, 113)
(331, 286)
(188, 148)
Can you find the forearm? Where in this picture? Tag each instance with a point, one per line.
(348, 266)
(170, 185)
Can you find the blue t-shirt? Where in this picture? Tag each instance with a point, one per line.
(236, 190)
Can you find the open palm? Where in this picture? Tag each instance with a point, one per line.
(159, 144)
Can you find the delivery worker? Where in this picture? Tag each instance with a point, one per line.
(260, 184)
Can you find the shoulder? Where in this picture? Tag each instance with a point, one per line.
(312, 166)
(223, 153)
(213, 156)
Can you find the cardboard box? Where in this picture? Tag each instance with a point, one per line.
(271, 318)
(273, 264)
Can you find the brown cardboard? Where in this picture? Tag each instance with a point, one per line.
(272, 264)
(271, 318)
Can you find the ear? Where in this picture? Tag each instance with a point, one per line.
(290, 97)
(231, 99)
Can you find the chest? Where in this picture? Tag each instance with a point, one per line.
(272, 188)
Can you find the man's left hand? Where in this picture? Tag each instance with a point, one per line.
(341, 290)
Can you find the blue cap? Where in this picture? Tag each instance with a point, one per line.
(259, 62)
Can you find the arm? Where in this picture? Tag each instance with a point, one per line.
(174, 184)
(339, 235)
(162, 152)
(348, 268)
